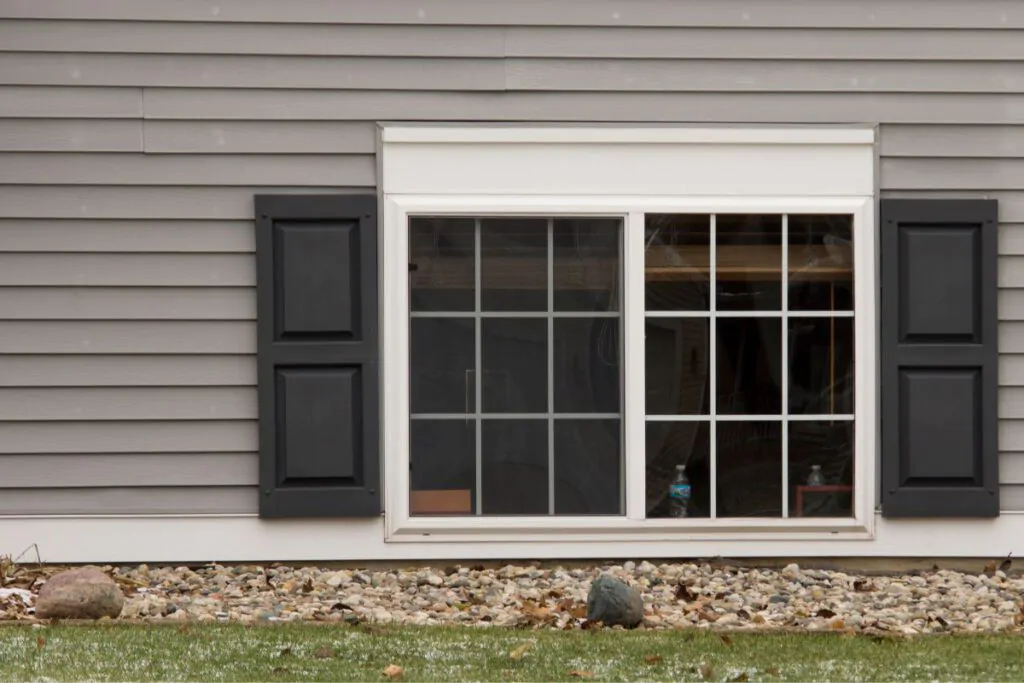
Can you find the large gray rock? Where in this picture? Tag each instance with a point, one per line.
(614, 603)
(85, 593)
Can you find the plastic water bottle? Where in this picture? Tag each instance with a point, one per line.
(679, 493)
(816, 478)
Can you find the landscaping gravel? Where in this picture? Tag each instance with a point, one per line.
(674, 596)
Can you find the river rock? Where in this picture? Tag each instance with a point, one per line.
(613, 603)
(85, 593)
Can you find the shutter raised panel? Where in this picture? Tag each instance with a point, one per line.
(317, 355)
(939, 358)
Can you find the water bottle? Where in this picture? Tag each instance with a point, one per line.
(679, 493)
(816, 478)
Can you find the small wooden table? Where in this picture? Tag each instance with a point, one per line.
(827, 488)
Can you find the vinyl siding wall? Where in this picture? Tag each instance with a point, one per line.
(134, 133)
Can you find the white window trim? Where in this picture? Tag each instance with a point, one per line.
(400, 204)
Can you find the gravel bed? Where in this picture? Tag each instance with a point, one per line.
(675, 596)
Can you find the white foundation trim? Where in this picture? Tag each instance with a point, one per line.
(624, 136)
(195, 539)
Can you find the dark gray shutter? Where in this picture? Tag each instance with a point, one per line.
(316, 265)
(939, 358)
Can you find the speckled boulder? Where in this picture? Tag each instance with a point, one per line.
(613, 603)
(85, 593)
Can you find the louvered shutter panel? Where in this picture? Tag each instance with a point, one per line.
(316, 262)
(939, 358)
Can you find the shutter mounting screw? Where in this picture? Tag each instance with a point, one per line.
(371, 491)
(266, 492)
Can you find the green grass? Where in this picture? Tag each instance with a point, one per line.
(352, 653)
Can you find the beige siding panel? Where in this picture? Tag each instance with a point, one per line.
(141, 270)
(127, 303)
(763, 43)
(959, 174)
(217, 203)
(1011, 275)
(260, 137)
(515, 41)
(752, 13)
(1011, 301)
(58, 103)
(1011, 371)
(1011, 403)
(252, 39)
(1011, 338)
(1011, 497)
(722, 107)
(81, 135)
(139, 337)
(205, 71)
(130, 501)
(1011, 468)
(1011, 435)
(123, 403)
(129, 469)
(760, 75)
(229, 436)
(1011, 238)
(131, 169)
(112, 236)
(127, 371)
(952, 141)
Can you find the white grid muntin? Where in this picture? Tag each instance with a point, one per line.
(394, 282)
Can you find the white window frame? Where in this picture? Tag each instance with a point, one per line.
(552, 171)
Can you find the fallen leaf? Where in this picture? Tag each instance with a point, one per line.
(708, 615)
(825, 613)
(740, 677)
(706, 672)
(757, 619)
(393, 671)
(990, 568)
(308, 586)
(40, 642)
(862, 586)
(684, 592)
(183, 628)
(772, 671)
(285, 652)
(1005, 565)
(323, 652)
(654, 659)
(743, 614)
(838, 625)
(520, 651)
(578, 673)
(588, 625)
(726, 639)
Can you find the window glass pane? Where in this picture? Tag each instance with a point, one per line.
(588, 467)
(442, 467)
(677, 255)
(586, 365)
(821, 366)
(587, 264)
(514, 354)
(441, 364)
(515, 467)
(677, 380)
(441, 271)
(749, 360)
(670, 444)
(821, 469)
(514, 264)
(749, 262)
(820, 262)
(749, 469)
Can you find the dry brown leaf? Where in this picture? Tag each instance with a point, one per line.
(183, 629)
(862, 586)
(757, 619)
(684, 592)
(838, 625)
(773, 671)
(579, 673)
(741, 677)
(990, 568)
(708, 615)
(323, 652)
(1006, 564)
(40, 642)
(726, 639)
(588, 625)
(520, 651)
(825, 613)
(285, 652)
(654, 659)
(706, 671)
(393, 671)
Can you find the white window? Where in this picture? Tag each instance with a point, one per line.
(575, 318)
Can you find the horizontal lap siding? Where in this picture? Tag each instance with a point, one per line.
(134, 134)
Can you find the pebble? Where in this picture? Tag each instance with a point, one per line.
(555, 597)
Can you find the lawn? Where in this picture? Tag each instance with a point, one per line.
(360, 653)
